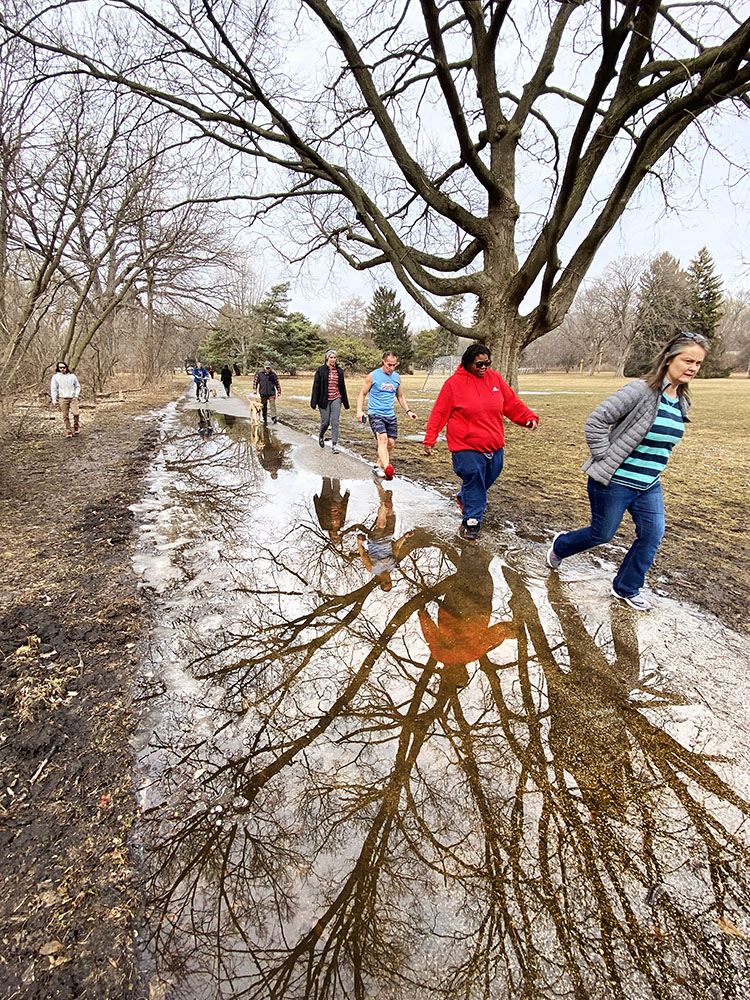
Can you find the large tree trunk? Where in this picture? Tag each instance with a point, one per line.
(500, 328)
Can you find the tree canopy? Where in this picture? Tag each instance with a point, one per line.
(481, 149)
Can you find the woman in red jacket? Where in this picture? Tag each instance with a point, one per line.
(473, 402)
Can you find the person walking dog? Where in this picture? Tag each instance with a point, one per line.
(329, 395)
(473, 403)
(266, 384)
(630, 436)
(65, 390)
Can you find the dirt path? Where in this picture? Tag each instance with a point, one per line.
(69, 621)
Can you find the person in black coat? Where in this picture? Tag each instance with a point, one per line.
(328, 394)
(226, 378)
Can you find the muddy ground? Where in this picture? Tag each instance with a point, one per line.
(69, 622)
(69, 626)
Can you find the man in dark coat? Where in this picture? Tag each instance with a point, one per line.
(328, 394)
(266, 384)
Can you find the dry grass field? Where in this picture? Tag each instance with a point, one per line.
(705, 556)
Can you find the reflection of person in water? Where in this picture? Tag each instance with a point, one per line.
(462, 633)
(330, 507)
(205, 427)
(270, 453)
(383, 552)
(588, 707)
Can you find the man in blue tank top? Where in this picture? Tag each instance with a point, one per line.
(383, 388)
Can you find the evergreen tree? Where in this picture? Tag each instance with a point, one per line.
(386, 324)
(663, 310)
(355, 353)
(706, 309)
(218, 347)
(706, 297)
(294, 342)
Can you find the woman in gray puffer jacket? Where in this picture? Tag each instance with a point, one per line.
(630, 436)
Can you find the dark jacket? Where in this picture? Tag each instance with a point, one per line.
(226, 375)
(320, 388)
(266, 383)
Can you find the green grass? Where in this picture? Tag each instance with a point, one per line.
(705, 555)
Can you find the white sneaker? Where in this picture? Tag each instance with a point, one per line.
(378, 471)
(554, 561)
(334, 449)
(637, 602)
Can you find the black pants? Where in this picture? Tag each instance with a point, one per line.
(226, 387)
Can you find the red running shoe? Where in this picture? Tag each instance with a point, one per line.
(458, 501)
(388, 471)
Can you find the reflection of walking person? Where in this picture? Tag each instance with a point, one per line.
(473, 403)
(328, 395)
(65, 390)
(630, 436)
(266, 384)
(270, 453)
(226, 378)
(383, 387)
(382, 552)
(330, 507)
(462, 633)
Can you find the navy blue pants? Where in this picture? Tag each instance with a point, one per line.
(477, 472)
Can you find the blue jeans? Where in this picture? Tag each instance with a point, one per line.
(608, 506)
(477, 473)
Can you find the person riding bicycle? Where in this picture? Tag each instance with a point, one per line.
(200, 377)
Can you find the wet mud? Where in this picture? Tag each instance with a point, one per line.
(378, 760)
(69, 618)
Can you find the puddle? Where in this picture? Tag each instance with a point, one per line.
(378, 761)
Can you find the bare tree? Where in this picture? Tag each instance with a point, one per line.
(734, 329)
(616, 292)
(348, 319)
(92, 220)
(404, 146)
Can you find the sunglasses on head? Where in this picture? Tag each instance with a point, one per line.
(688, 335)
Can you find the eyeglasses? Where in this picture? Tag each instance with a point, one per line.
(482, 364)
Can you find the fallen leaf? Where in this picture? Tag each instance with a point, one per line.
(727, 927)
(51, 948)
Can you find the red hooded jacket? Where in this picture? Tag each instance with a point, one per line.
(474, 407)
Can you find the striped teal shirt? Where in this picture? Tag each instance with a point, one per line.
(643, 466)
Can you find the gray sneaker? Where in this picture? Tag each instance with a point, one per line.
(554, 561)
(378, 471)
(637, 602)
(334, 449)
(471, 529)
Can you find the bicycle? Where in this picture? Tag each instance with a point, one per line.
(202, 390)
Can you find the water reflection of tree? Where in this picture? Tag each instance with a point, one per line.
(217, 475)
(362, 827)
